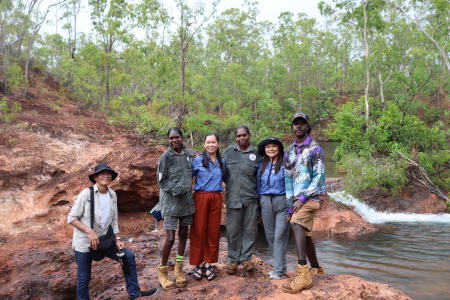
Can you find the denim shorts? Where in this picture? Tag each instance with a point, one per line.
(171, 223)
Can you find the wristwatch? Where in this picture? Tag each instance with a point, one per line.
(118, 238)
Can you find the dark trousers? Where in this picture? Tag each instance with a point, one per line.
(84, 263)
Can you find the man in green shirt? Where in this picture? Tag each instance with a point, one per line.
(241, 199)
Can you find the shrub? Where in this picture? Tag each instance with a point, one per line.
(7, 114)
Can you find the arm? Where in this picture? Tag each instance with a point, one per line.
(93, 237)
(173, 188)
(318, 178)
(224, 171)
(258, 181)
(288, 182)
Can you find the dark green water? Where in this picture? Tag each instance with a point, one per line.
(412, 257)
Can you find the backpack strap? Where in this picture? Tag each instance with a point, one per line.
(92, 206)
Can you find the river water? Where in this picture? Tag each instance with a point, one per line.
(410, 252)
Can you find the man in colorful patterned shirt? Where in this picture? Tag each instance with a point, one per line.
(305, 191)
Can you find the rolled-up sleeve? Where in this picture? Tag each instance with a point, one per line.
(78, 208)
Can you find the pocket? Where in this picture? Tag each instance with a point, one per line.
(174, 173)
(251, 168)
(233, 166)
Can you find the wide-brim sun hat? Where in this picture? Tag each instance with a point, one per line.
(101, 167)
(269, 140)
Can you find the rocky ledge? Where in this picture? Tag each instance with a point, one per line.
(42, 266)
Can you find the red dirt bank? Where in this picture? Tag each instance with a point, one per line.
(45, 159)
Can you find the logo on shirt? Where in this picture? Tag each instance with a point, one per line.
(252, 157)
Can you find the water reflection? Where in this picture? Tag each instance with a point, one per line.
(413, 258)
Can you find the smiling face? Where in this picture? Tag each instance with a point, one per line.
(242, 138)
(211, 144)
(103, 178)
(175, 141)
(300, 128)
(272, 151)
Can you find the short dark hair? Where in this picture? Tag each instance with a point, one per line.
(241, 126)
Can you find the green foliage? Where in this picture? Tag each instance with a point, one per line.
(15, 76)
(437, 165)
(7, 114)
(365, 172)
(390, 131)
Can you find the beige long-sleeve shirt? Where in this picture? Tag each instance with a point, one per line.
(81, 210)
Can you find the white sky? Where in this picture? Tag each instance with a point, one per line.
(269, 10)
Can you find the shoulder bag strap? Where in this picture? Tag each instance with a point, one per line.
(92, 206)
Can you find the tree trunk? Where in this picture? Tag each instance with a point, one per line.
(366, 92)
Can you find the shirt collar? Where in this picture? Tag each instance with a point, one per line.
(172, 152)
(236, 147)
(217, 161)
(305, 142)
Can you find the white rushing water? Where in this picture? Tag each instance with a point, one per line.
(373, 216)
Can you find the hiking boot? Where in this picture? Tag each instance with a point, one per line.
(318, 270)
(164, 279)
(301, 281)
(179, 275)
(232, 268)
(248, 265)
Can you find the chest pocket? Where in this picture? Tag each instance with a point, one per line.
(233, 166)
(175, 173)
(251, 167)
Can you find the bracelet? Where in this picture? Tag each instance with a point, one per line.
(118, 238)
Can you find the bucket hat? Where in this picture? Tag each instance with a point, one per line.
(269, 140)
(101, 167)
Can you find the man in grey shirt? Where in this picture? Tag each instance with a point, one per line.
(105, 202)
(241, 200)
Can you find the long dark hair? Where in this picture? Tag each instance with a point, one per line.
(266, 161)
(178, 130)
(205, 162)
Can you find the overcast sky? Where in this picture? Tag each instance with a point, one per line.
(269, 10)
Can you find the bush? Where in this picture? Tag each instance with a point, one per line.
(7, 114)
(362, 173)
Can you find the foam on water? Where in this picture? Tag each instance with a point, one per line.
(375, 217)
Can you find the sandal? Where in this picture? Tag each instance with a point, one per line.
(198, 271)
(213, 274)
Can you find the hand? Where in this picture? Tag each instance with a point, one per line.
(296, 206)
(93, 239)
(120, 245)
(288, 218)
(260, 220)
(187, 189)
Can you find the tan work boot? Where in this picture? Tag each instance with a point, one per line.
(164, 279)
(179, 275)
(232, 268)
(318, 270)
(248, 265)
(301, 281)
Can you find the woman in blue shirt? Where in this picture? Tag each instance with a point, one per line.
(209, 172)
(272, 193)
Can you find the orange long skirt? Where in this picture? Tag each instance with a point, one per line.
(205, 229)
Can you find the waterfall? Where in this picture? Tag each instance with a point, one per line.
(376, 217)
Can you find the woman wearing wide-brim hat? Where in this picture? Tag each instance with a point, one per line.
(105, 224)
(274, 211)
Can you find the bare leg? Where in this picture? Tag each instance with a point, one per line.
(170, 239)
(300, 240)
(182, 239)
(311, 252)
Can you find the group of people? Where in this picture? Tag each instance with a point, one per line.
(282, 187)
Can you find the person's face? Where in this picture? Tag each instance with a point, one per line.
(242, 138)
(272, 150)
(103, 178)
(211, 144)
(175, 140)
(300, 128)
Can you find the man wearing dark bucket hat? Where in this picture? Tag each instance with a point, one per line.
(305, 191)
(272, 194)
(86, 234)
